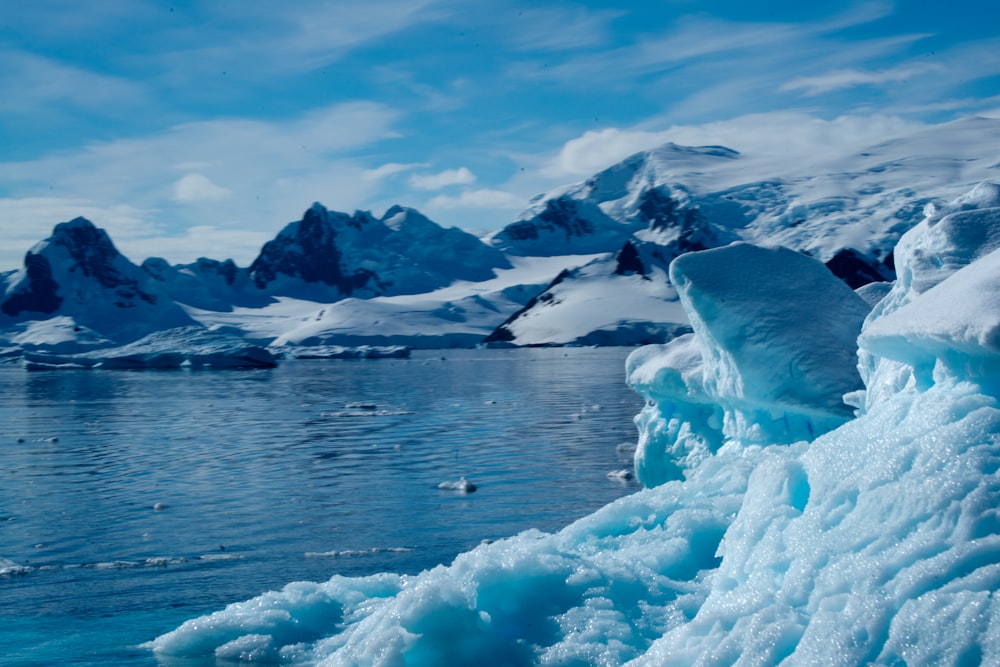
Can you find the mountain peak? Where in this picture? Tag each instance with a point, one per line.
(78, 272)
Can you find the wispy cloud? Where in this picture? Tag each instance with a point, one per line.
(596, 150)
(442, 179)
(825, 83)
(485, 198)
(390, 169)
(37, 83)
(556, 28)
(784, 135)
(296, 37)
(197, 187)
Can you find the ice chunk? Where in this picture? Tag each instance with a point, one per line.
(775, 328)
(196, 347)
(956, 322)
(772, 354)
(462, 486)
(947, 240)
(341, 352)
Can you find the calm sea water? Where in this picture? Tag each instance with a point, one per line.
(136, 500)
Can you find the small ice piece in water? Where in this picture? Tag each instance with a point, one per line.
(623, 475)
(463, 485)
(9, 568)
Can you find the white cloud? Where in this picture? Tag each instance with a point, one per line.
(791, 133)
(272, 170)
(442, 179)
(198, 187)
(776, 134)
(478, 199)
(390, 169)
(850, 78)
(596, 150)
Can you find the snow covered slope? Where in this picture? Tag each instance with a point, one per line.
(863, 199)
(848, 211)
(459, 315)
(600, 214)
(617, 300)
(877, 542)
(78, 273)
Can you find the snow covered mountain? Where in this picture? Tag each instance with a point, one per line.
(848, 211)
(78, 275)
(600, 214)
(585, 264)
(622, 299)
(778, 526)
(327, 256)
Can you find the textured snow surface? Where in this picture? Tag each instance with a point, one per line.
(593, 306)
(877, 542)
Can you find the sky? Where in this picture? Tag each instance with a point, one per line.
(196, 128)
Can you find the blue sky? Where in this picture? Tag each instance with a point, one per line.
(193, 128)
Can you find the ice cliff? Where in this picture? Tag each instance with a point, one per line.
(790, 533)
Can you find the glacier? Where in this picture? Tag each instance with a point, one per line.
(184, 347)
(873, 539)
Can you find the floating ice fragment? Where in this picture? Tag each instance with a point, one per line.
(623, 475)
(10, 568)
(462, 485)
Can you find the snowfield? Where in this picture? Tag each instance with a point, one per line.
(779, 525)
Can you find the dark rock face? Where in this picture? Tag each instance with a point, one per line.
(564, 214)
(94, 255)
(663, 212)
(629, 262)
(308, 250)
(329, 255)
(857, 270)
(41, 295)
(561, 214)
(563, 225)
(227, 269)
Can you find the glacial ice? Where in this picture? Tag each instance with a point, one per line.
(194, 347)
(877, 542)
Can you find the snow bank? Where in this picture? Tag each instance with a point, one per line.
(877, 542)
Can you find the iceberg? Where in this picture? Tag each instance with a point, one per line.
(875, 540)
(342, 352)
(194, 347)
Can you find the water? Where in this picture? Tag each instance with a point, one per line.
(137, 500)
